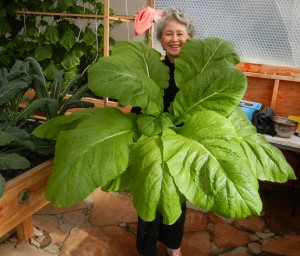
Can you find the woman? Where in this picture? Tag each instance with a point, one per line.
(173, 29)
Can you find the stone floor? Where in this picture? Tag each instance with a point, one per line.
(105, 224)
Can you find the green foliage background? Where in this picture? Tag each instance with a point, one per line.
(57, 43)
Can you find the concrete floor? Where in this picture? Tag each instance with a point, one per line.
(105, 224)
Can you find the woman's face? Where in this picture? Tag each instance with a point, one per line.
(173, 37)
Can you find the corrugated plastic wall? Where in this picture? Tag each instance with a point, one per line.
(264, 31)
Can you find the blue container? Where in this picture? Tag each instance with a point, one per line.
(249, 107)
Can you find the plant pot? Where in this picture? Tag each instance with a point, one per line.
(24, 196)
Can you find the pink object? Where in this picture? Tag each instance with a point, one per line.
(144, 19)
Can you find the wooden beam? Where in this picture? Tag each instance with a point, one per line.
(276, 77)
(79, 15)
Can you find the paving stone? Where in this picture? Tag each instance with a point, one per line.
(43, 240)
(75, 217)
(254, 237)
(45, 222)
(53, 249)
(23, 249)
(288, 245)
(111, 209)
(240, 251)
(226, 235)
(252, 223)
(51, 209)
(104, 241)
(215, 250)
(37, 232)
(58, 237)
(195, 220)
(255, 248)
(264, 235)
(197, 243)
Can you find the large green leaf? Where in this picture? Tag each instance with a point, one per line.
(68, 39)
(99, 144)
(211, 169)
(197, 56)
(152, 186)
(134, 75)
(52, 33)
(43, 52)
(89, 36)
(219, 90)
(51, 129)
(150, 125)
(50, 70)
(13, 161)
(70, 61)
(64, 4)
(12, 85)
(267, 162)
(5, 138)
(31, 109)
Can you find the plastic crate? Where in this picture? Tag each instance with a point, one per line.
(249, 107)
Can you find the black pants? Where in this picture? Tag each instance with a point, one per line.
(148, 233)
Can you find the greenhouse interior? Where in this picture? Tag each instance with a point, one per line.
(148, 127)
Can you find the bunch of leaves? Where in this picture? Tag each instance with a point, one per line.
(52, 100)
(57, 43)
(60, 96)
(204, 149)
(14, 82)
(20, 150)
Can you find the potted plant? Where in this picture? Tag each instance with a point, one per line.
(204, 149)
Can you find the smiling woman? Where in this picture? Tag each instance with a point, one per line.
(173, 29)
(174, 35)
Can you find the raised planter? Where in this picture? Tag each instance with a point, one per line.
(24, 196)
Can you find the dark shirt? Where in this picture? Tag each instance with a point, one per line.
(170, 92)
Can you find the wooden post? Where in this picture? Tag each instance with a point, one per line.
(150, 32)
(106, 35)
(275, 91)
(25, 230)
(106, 28)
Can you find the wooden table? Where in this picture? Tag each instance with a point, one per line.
(290, 144)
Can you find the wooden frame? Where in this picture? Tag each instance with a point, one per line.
(273, 86)
(24, 196)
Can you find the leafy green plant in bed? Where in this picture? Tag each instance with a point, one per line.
(19, 149)
(203, 150)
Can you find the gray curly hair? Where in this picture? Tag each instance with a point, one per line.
(171, 13)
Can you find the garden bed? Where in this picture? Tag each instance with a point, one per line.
(24, 195)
